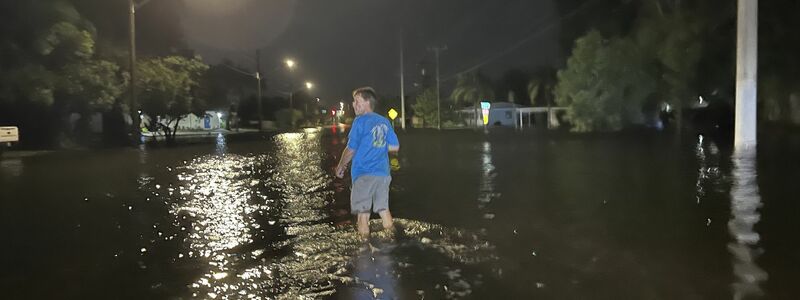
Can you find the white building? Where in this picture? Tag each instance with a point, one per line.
(509, 114)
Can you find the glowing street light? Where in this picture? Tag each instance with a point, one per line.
(309, 85)
(290, 63)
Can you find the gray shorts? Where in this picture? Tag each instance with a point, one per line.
(370, 191)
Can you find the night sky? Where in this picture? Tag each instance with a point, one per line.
(343, 44)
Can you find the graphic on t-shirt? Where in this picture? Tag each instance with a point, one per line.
(379, 135)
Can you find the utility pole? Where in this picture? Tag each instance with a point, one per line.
(437, 50)
(132, 49)
(746, 70)
(258, 79)
(402, 87)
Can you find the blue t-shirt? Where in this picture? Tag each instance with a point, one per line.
(370, 137)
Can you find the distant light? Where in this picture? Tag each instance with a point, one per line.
(324, 111)
(290, 63)
(219, 115)
(333, 112)
(317, 99)
(309, 85)
(701, 99)
(140, 112)
(341, 105)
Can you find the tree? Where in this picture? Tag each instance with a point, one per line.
(51, 68)
(515, 81)
(540, 87)
(471, 88)
(168, 87)
(673, 36)
(604, 84)
(577, 17)
(779, 81)
(425, 107)
(221, 85)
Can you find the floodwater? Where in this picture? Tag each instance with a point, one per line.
(480, 215)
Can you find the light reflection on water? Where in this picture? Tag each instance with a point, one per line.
(11, 167)
(486, 191)
(215, 194)
(745, 203)
(708, 173)
(222, 146)
(261, 226)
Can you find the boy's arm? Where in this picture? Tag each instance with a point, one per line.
(347, 156)
(394, 143)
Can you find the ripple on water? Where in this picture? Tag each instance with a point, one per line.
(258, 226)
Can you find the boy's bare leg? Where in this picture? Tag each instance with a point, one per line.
(386, 217)
(363, 225)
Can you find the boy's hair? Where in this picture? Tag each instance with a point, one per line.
(368, 94)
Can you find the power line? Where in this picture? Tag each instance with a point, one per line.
(238, 70)
(521, 42)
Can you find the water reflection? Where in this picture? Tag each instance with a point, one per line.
(486, 190)
(708, 172)
(264, 226)
(261, 226)
(376, 270)
(222, 146)
(11, 166)
(745, 202)
(215, 210)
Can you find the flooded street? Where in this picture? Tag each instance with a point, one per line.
(498, 215)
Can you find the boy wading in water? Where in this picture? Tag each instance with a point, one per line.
(370, 140)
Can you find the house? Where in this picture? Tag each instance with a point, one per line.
(511, 115)
(500, 114)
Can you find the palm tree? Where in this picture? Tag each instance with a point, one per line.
(540, 88)
(533, 90)
(471, 88)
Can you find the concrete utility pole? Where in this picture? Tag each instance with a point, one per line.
(132, 49)
(402, 87)
(258, 79)
(437, 50)
(746, 71)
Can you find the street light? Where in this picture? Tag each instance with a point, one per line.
(132, 49)
(309, 85)
(290, 64)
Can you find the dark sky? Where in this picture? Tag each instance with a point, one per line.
(343, 44)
